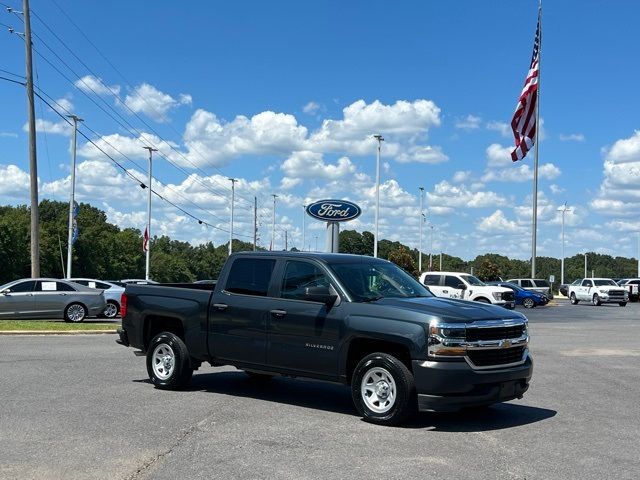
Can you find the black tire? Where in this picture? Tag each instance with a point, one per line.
(258, 377)
(528, 303)
(573, 299)
(402, 387)
(168, 362)
(596, 300)
(483, 300)
(75, 313)
(623, 304)
(108, 311)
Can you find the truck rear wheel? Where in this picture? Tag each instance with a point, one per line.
(383, 389)
(168, 362)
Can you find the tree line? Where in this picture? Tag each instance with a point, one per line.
(105, 251)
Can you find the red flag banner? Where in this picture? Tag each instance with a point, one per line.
(523, 123)
(145, 240)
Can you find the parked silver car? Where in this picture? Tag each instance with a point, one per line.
(534, 285)
(112, 294)
(50, 298)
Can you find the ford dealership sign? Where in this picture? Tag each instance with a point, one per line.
(334, 210)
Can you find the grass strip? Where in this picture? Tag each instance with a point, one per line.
(57, 325)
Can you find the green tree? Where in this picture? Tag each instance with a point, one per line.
(403, 258)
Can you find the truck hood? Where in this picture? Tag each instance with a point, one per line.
(451, 310)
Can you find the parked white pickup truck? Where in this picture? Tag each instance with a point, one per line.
(632, 285)
(466, 287)
(598, 291)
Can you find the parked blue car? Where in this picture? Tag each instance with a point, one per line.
(523, 297)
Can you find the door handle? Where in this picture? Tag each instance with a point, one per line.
(445, 291)
(278, 313)
(220, 306)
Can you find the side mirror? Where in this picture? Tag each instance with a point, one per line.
(4, 292)
(462, 286)
(320, 294)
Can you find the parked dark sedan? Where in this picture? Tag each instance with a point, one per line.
(526, 298)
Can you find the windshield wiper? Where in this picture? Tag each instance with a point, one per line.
(371, 299)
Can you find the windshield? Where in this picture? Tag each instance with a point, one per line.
(471, 280)
(371, 281)
(600, 283)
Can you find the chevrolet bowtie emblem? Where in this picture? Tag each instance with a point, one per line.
(506, 344)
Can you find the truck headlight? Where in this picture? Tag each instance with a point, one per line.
(446, 340)
(497, 295)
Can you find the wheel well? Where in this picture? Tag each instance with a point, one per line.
(111, 300)
(154, 324)
(361, 347)
(481, 299)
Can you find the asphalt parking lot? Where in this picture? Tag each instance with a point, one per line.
(81, 407)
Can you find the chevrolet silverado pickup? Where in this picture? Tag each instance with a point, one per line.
(352, 319)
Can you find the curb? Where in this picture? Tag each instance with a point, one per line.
(56, 332)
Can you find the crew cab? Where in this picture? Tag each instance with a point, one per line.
(598, 291)
(467, 287)
(352, 319)
(632, 285)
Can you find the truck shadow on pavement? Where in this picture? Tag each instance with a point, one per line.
(336, 398)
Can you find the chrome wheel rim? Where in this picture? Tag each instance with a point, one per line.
(110, 310)
(528, 303)
(378, 390)
(75, 313)
(595, 299)
(164, 361)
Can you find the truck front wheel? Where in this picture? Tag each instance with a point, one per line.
(383, 389)
(168, 362)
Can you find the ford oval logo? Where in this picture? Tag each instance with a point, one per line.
(334, 210)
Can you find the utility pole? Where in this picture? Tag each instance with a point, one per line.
(33, 161)
(304, 214)
(377, 219)
(638, 254)
(72, 202)
(255, 223)
(273, 225)
(421, 220)
(564, 210)
(316, 243)
(150, 190)
(440, 260)
(585, 264)
(286, 240)
(233, 192)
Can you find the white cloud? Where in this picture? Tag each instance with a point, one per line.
(287, 183)
(573, 137)
(91, 84)
(305, 164)
(503, 128)
(461, 176)
(456, 196)
(311, 108)
(470, 122)
(422, 154)
(49, 127)
(521, 173)
(152, 102)
(498, 156)
(14, 182)
(8, 135)
(555, 189)
(497, 223)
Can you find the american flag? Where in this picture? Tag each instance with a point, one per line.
(523, 123)
(145, 240)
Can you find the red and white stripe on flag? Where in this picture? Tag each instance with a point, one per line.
(145, 240)
(523, 123)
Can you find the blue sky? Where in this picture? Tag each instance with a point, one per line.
(285, 96)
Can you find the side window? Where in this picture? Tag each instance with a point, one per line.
(526, 283)
(103, 286)
(451, 281)
(587, 283)
(250, 276)
(46, 286)
(298, 276)
(432, 280)
(23, 287)
(63, 287)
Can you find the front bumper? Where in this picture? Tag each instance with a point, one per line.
(450, 386)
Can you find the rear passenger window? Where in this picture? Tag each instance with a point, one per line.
(526, 283)
(431, 280)
(250, 276)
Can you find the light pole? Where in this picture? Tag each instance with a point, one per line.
(638, 254)
(273, 225)
(431, 249)
(375, 232)
(72, 200)
(585, 264)
(304, 214)
(421, 220)
(233, 193)
(316, 243)
(147, 265)
(564, 209)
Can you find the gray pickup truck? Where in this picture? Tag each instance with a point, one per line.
(351, 319)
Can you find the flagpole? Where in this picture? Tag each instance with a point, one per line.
(534, 226)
